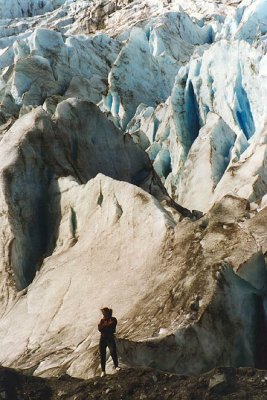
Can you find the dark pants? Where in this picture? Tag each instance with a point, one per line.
(111, 344)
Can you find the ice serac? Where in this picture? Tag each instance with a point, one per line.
(247, 177)
(103, 255)
(206, 163)
(181, 306)
(206, 287)
(27, 8)
(145, 69)
(42, 65)
(80, 141)
(235, 93)
(248, 22)
(226, 79)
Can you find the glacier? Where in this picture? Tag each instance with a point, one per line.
(133, 161)
(25, 8)
(183, 67)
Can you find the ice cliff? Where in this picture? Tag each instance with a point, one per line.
(121, 124)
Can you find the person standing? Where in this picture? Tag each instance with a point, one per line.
(107, 328)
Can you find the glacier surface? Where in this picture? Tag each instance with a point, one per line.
(121, 122)
(178, 63)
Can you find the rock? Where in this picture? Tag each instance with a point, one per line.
(218, 383)
(61, 393)
(142, 396)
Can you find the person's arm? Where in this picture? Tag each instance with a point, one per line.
(112, 325)
(102, 325)
(107, 326)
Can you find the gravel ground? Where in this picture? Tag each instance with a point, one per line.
(139, 384)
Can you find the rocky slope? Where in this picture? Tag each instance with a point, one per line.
(118, 120)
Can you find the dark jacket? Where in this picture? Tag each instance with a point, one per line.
(107, 327)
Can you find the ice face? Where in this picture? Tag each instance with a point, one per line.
(27, 8)
(158, 80)
(249, 21)
(145, 69)
(226, 79)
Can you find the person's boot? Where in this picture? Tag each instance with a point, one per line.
(117, 368)
(103, 374)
